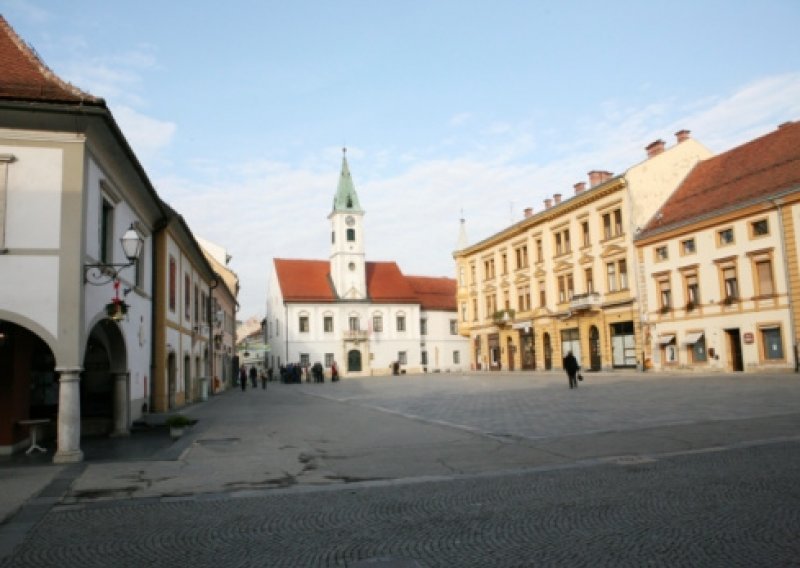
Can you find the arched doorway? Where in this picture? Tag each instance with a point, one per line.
(103, 402)
(354, 361)
(595, 361)
(548, 351)
(172, 379)
(28, 382)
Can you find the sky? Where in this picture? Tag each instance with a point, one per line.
(449, 109)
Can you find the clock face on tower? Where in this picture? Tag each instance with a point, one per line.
(350, 220)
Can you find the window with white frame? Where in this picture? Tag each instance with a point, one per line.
(354, 323)
(302, 324)
(327, 324)
(305, 360)
(453, 327)
(401, 323)
(456, 357)
(377, 323)
(423, 327)
(328, 360)
(402, 358)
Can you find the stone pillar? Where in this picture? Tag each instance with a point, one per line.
(69, 416)
(121, 407)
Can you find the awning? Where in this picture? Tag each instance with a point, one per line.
(692, 338)
(665, 339)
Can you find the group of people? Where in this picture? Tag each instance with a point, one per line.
(254, 375)
(297, 373)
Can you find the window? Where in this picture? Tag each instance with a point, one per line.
(692, 292)
(562, 242)
(474, 309)
(759, 228)
(698, 350)
(333, 237)
(521, 254)
(106, 232)
(542, 295)
(585, 231)
(456, 358)
(665, 295)
(327, 324)
(488, 269)
(423, 327)
(424, 357)
(402, 358)
(524, 298)
(461, 279)
(504, 262)
(730, 284)
(764, 282)
(328, 360)
(589, 279)
(565, 287)
(305, 360)
(196, 304)
(303, 324)
(506, 300)
(173, 283)
(772, 342)
(351, 235)
(187, 296)
(611, 274)
(377, 323)
(539, 251)
(661, 253)
(472, 273)
(354, 323)
(491, 304)
(622, 265)
(688, 247)
(725, 237)
(401, 323)
(463, 311)
(204, 310)
(612, 224)
(453, 327)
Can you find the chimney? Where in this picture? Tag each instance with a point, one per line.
(548, 203)
(655, 148)
(580, 187)
(682, 135)
(528, 212)
(594, 177)
(557, 198)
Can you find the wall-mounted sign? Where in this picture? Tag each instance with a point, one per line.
(748, 338)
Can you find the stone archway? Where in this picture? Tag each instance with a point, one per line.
(104, 381)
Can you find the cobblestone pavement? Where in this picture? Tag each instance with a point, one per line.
(727, 508)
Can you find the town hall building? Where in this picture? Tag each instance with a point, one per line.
(368, 317)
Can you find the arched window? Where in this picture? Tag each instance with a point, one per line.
(351, 235)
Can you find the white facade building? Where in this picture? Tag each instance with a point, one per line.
(366, 316)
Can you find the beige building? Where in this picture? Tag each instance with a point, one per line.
(564, 279)
(720, 262)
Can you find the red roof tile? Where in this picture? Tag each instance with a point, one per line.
(309, 281)
(25, 77)
(434, 293)
(760, 168)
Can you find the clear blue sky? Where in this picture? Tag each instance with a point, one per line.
(238, 110)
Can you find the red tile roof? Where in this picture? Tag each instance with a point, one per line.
(25, 77)
(762, 167)
(310, 281)
(434, 293)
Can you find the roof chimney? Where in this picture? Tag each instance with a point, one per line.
(548, 203)
(682, 135)
(596, 177)
(580, 187)
(528, 212)
(655, 148)
(557, 198)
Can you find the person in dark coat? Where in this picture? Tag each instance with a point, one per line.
(263, 380)
(571, 367)
(334, 372)
(243, 378)
(253, 377)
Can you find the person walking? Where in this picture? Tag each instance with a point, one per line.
(571, 367)
(253, 377)
(263, 380)
(243, 378)
(334, 372)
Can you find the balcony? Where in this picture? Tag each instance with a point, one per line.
(356, 335)
(503, 317)
(587, 301)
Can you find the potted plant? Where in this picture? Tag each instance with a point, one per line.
(177, 424)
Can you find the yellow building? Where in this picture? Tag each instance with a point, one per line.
(564, 279)
(720, 262)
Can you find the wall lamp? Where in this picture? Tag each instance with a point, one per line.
(103, 273)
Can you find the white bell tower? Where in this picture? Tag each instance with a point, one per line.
(348, 264)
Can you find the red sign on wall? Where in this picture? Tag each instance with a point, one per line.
(748, 337)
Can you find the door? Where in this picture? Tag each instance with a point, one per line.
(735, 350)
(548, 352)
(595, 362)
(172, 380)
(354, 361)
(571, 341)
(510, 350)
(528, 351)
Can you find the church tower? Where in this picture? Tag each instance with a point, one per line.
(348, 265)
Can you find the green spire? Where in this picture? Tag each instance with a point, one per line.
(346, 198)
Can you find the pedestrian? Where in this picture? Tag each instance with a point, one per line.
(571, 367)
(334, 372)
(243, 378)
(269, 374)
(253, 377)
(263, 380)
